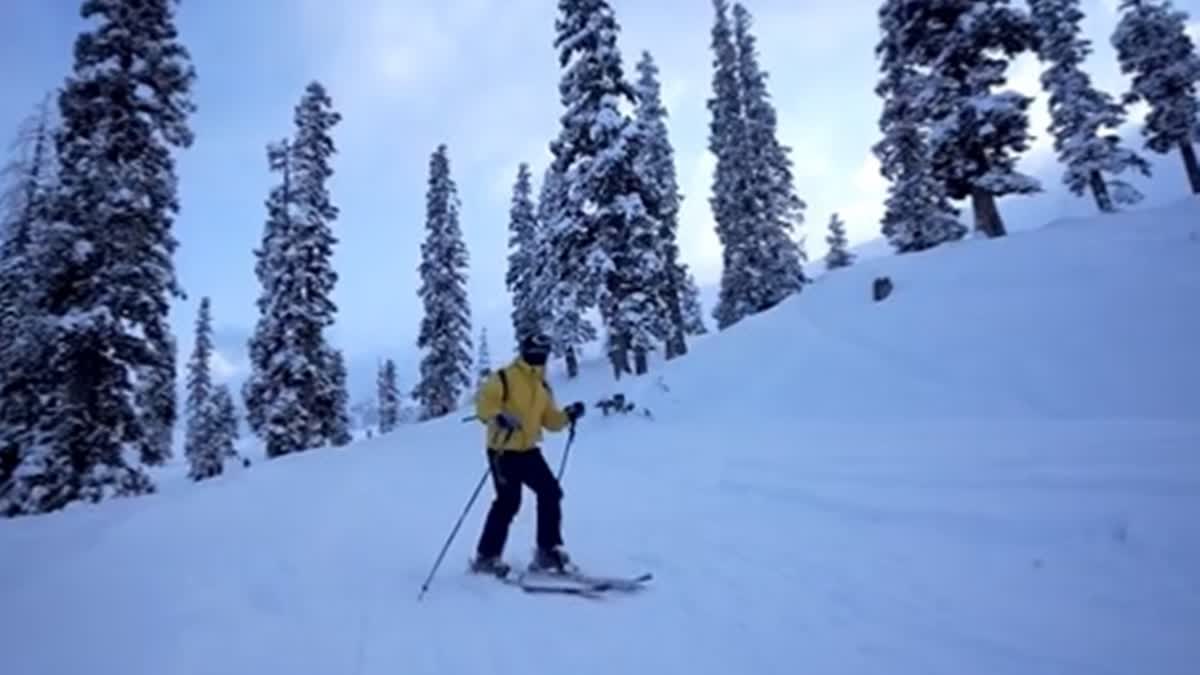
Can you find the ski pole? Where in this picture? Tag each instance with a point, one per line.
(562, 467)
(446, 546)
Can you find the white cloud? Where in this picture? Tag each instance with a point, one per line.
(862, 211)
(387, 56)
(811, 144)
(1193, 30)
(529, 121)
(674, 89)
(1025, 77)
(698, 243)
(814, 28)
(383, 42)
(223, 368)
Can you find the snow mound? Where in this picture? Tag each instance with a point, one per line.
(995, 470)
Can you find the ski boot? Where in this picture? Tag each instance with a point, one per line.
(490, 565)
(551, 561)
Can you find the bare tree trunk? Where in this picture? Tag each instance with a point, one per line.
(640, 364)
(1100, 191)
(987, 216)
(1192, 165)
(679, 348)
(619, 355)
(572, 363)
(677, 338)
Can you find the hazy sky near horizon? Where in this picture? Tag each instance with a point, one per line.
(481, 76)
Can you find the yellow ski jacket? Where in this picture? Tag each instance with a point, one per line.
(527, 397)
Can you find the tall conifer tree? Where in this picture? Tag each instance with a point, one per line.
(768, 180)
(951, 57)
(763, 259)
(839, 255)
(1085, 120)
(226, 421)
(605, 239)
(1153, 46)
(918, 213)
(29, 181)
(445, 331)
(656, 164)
(259, 390)
(335, 401)
(293, 392)
(693, 312)
(727, 131)
(389, 397)
(108, 275)
(560, 313)
(200, 436)
(521, 277)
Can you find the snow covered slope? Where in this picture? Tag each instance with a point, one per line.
(994, 471)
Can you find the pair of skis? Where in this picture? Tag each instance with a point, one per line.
(572, 582)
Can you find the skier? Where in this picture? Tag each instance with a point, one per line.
(516, 404)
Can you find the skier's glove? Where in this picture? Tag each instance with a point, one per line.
(507, 422)
(574, 411)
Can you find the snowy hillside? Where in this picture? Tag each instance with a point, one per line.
(994, 471)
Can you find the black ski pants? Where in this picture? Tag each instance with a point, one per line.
(510, 472)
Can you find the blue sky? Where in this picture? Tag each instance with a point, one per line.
(481, 76)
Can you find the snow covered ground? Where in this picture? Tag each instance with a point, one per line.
(994, 471)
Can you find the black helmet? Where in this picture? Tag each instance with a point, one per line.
(535, 349)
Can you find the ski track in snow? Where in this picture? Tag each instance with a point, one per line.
(838, 486)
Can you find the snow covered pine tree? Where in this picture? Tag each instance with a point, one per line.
(29, 182)
(211, 419)
(779, 257)
(445, 330)
(838, 255)
(656, 164)
(335, 400)
(389, 397)
(918, 214)
(762, 264)
(693, 313)
(225, 416)
(258, 391)
(1153, 46)
(605, 239)
(292, 396)
(1085, 120)
(107, 277)
(559, 310)
(726, 131)
(205, 459)
(974, 134)
(523, 260)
